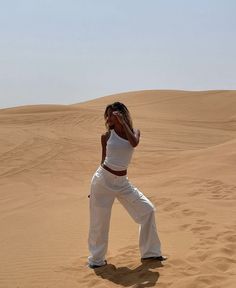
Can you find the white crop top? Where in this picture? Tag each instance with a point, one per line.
(118, 152)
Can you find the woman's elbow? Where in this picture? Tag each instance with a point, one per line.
(135, 144)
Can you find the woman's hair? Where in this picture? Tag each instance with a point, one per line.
(120, 107)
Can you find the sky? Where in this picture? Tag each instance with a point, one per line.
(71, 51)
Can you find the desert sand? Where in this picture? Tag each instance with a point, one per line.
(185, 163)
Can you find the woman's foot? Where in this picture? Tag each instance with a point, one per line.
(157, 258)
(93, 266)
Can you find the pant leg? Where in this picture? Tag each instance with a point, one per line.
(149, 242)
(143, 212)
(101, 200)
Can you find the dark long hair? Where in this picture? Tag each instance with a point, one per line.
(120, 107)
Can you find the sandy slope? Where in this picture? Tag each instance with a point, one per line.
(185, 164)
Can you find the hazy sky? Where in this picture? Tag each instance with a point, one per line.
(69, 51)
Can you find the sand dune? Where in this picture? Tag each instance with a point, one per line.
(185, 164)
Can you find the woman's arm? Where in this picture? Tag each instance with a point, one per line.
(132, 136)
(104, 139)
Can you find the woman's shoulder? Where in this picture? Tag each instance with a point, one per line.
(105, 136)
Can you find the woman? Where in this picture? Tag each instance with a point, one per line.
(110, 181)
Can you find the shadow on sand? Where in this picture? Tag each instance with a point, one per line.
(142, 276)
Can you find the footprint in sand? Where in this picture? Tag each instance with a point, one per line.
(223, 263)
(172, 205)
(199, 229)
(202, 226)
(189, 212)
(198, 192)
(184, 226)
(218, 190)
(213, 189)
(228, 237)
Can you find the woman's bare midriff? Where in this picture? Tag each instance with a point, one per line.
(117, 173)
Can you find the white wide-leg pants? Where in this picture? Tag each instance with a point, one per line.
(105, 187)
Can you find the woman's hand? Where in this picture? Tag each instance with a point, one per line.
(132, 136)
(119, 117)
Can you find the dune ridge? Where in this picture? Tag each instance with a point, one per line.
(185, 164)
